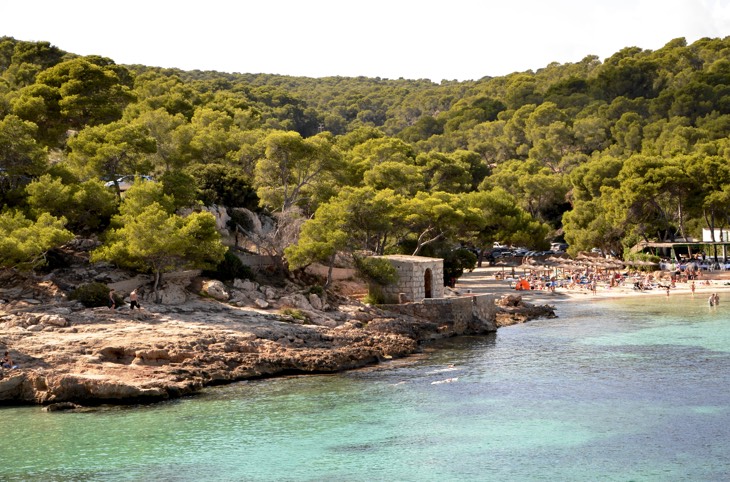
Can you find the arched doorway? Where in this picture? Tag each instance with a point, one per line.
(428, 283)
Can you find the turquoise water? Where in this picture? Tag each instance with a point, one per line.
(612, 390)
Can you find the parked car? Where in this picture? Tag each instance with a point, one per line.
(559, 246)
(125, 182)
(504, 254)
(496, 253)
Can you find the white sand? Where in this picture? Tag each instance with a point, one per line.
(482, 280)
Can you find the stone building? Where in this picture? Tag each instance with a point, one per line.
(419, 278)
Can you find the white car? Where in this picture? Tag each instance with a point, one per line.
(125, 182)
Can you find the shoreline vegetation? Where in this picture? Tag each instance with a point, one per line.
(107, 167)
(70, 357)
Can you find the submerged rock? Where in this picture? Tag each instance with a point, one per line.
(513, 310)
(61, 407)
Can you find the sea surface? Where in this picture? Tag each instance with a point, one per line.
(626, 390)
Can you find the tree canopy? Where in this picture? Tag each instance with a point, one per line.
(602, 153)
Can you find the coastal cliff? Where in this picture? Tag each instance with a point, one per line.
(68, 353)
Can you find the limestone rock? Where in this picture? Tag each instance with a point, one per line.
(245, 285)
(216, 289)
(54, 320)
(61, 407)
(315, 301)
(15, 385)
(512, 310)
(68, 353)
(172, 294)
(296, 300)
(151, 357)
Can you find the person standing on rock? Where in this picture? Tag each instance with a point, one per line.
(133, 300)
(112, 302)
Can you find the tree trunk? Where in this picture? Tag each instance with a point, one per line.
(329, 271)
(681, 221)
(420, 243)
(158, 278)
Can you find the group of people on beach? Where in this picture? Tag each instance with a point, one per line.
(714, 299)
(133, 300)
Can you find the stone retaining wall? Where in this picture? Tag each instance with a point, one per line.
(256, 261)
(337, 273)
(459, 316)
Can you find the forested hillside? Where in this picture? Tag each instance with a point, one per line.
(604, 153)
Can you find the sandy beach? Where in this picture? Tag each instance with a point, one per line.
(484, 280)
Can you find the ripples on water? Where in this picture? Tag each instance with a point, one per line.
(630, 390)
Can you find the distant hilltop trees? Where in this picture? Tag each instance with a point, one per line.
(595, 153)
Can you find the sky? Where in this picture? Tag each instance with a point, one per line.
(414, 39)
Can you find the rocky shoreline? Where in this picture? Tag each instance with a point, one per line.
(69, 355)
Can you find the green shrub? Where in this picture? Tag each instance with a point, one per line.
(375, 295)
(296, 314)
(377, 270)
(455, 262)
(230, 268)
(218, 184)
(316, 290)
(94, 294)
(181, 186)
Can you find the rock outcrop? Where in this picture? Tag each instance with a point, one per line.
(513, 310)
(68, 354)
(101, 355)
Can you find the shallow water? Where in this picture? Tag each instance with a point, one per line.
(635, 389)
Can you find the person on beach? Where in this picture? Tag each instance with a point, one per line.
(8, 362)
(133, 300)
(692, 288)
(112, 301)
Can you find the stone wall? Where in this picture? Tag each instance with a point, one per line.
(463, 315)
(419, 278)
(337, 273)
(256, 261)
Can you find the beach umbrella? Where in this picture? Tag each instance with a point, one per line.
(552, 263)
(528, 265)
